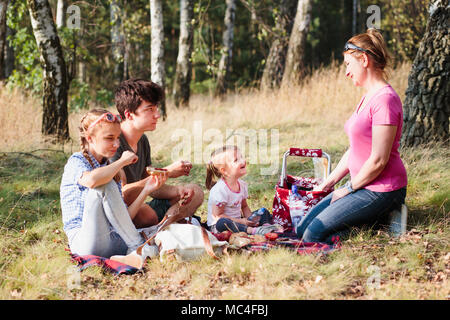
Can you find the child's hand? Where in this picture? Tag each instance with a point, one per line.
(251, 223)
(128, 157)
(155, 182)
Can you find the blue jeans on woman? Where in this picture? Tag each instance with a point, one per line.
(363, 207)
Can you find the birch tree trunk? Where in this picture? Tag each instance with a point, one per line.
(426, 107)
(295, 65)
(3, 8)
(227, 49)
(55, 117)
(61, 14)
(158, 73)
(275, 62)
(183, 75)
(117, 39)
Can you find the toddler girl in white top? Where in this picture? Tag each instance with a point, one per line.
(227, 204)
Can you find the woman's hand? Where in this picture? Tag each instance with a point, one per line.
(324, 186)
(338, 194)
(128, 158)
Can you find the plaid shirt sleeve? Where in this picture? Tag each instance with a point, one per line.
(72, 194)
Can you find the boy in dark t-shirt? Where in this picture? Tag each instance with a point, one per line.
(137, 103)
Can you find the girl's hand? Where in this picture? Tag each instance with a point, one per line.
(155, 182)
(250, 223)
(339, 193)
(128, 158)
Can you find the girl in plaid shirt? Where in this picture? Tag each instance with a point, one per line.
(96, 219)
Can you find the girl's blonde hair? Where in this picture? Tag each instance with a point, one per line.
(373, 41)
(212, 168)
(85, 122)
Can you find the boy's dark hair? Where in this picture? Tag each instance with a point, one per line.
(130, 94)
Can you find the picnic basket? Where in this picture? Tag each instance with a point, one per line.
(307, 197)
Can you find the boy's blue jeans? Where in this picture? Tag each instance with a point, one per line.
(363, 207)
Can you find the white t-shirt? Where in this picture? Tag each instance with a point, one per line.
(222, 195)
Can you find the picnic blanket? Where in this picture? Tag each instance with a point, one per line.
(106, 264)
(285, 240)
(289, 240)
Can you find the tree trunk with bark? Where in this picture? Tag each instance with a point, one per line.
(117, 40)
(426, 107)
(61, 14)
(3, 8)
(275, 62)
(9, 54)
(55, 87)
(295, 68)
(227, 49)
(158, 73)
(183, 75)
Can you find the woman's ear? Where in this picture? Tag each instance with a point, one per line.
(365, 60)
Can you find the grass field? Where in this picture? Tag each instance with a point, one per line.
(34, 264)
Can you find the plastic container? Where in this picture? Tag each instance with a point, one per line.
(296, 209)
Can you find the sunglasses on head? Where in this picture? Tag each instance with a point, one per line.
(351, 46)
(108, 116)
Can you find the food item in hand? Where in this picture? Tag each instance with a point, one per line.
(156, 171)
(271, 236)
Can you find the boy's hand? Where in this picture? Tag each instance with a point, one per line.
(128, 157)
(179, 168)
(185, 193)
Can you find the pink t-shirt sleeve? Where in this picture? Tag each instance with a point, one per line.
(386, 110)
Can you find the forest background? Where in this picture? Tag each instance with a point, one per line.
(96, 69)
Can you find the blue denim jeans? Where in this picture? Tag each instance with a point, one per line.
(363, 207)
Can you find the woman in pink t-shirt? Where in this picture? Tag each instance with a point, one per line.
(378, 179)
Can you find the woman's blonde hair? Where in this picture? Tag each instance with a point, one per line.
(374, 43)
(85, 122)
(213, 167)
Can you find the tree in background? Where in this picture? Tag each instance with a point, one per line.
(157, 49)
(295, 68)
(3, 8)
(227, 49)
(183, 75)
(55, 87)
(117, 40)
(61, 14)
(275, 62)
(405, 22)
(426, 106)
